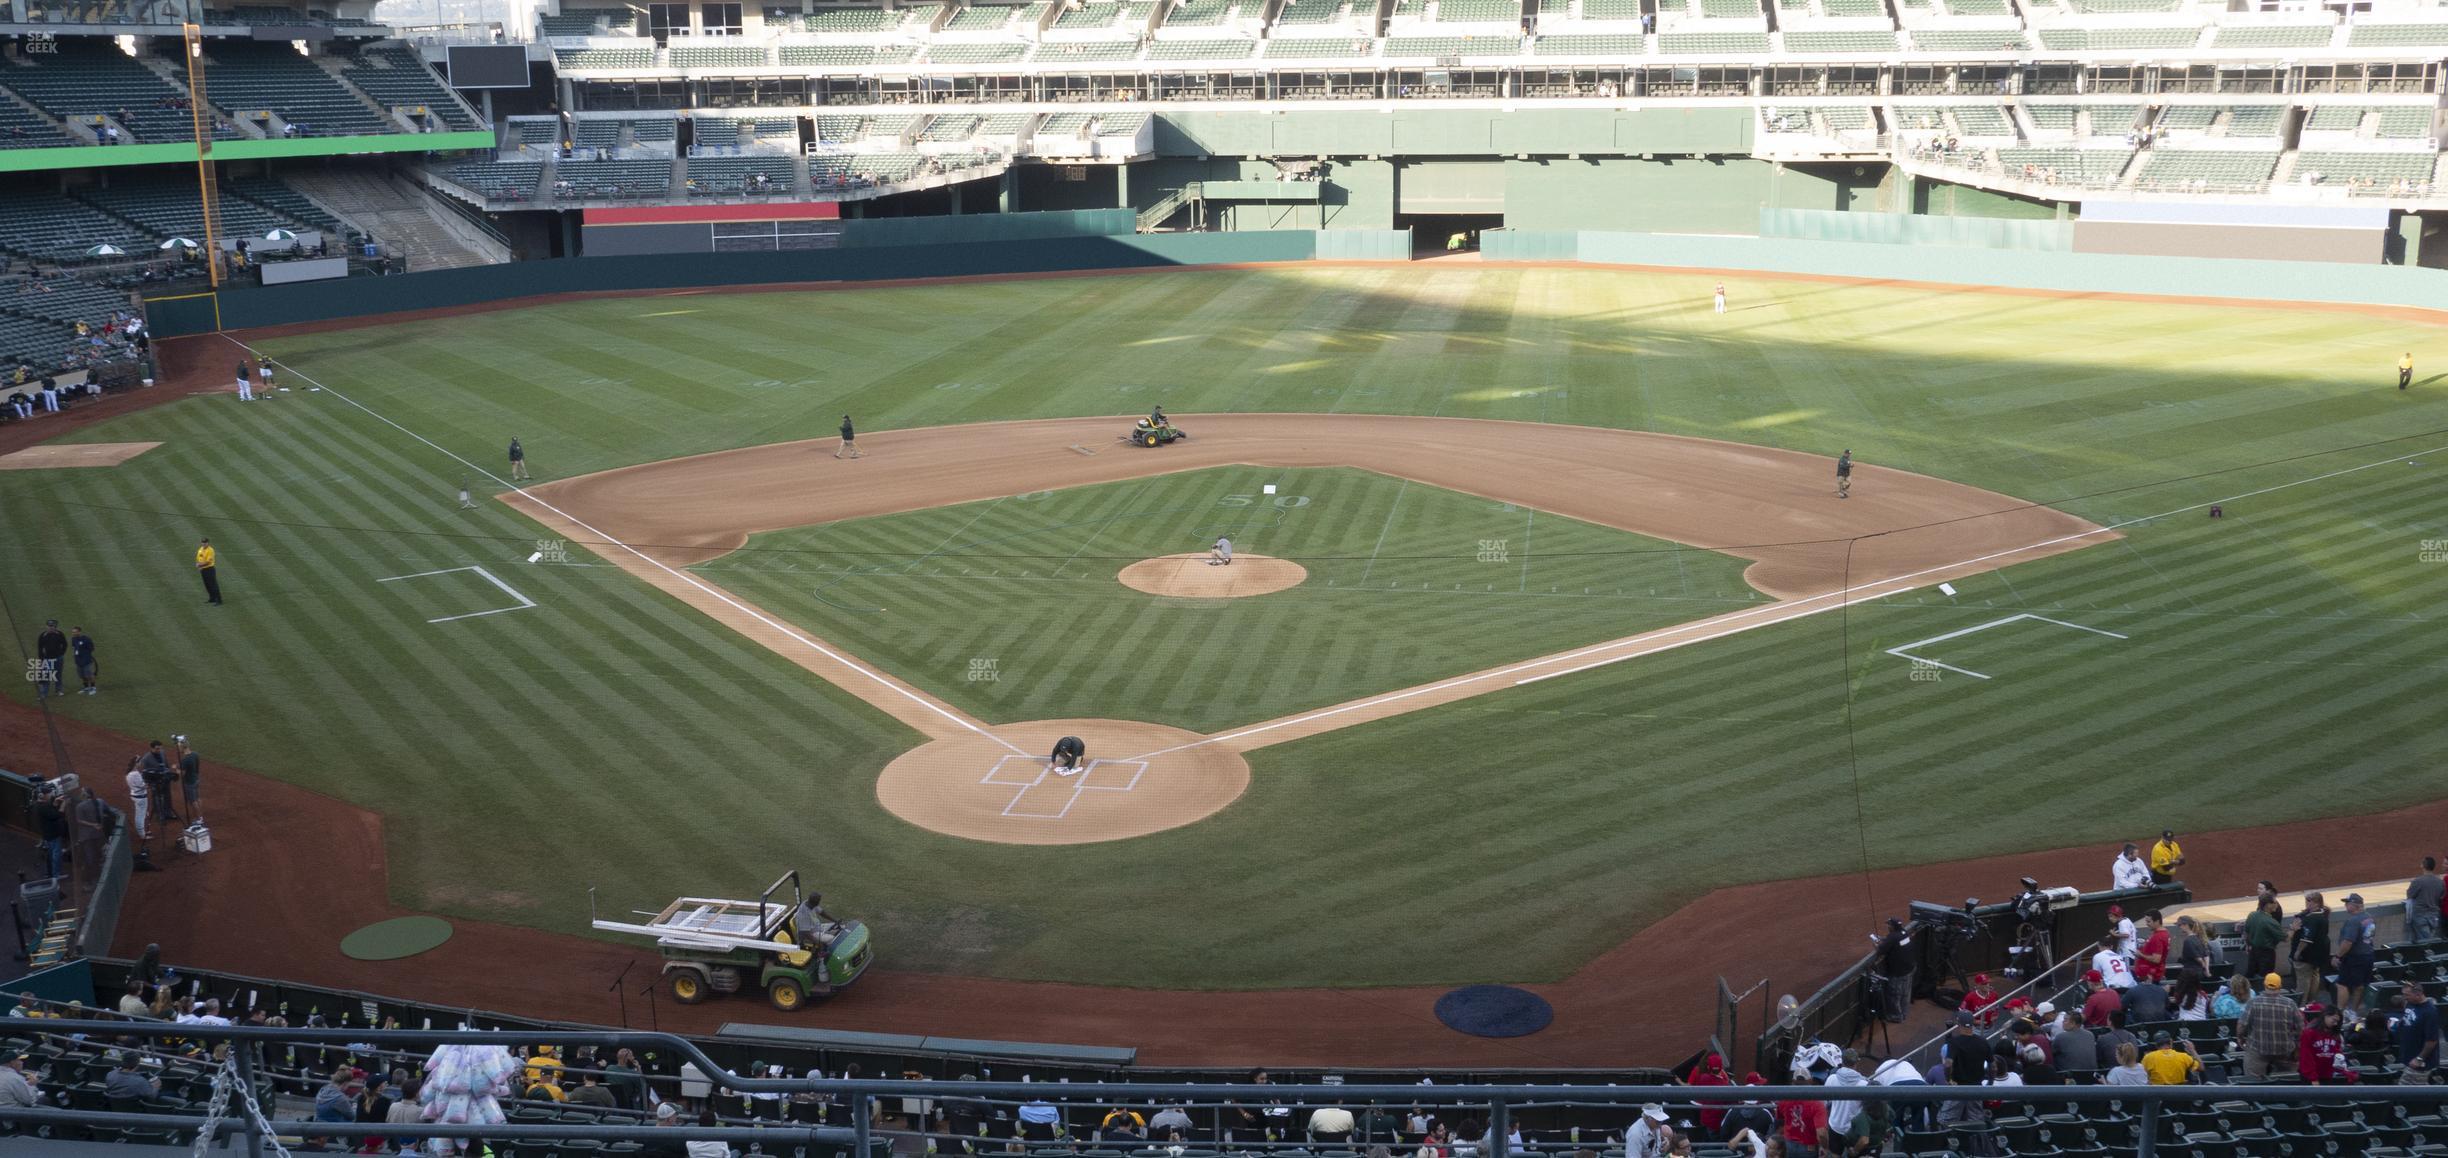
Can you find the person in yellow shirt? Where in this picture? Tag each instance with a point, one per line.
(2166, 856)
(208, 570)
(2405, 370)
(2173, 1063)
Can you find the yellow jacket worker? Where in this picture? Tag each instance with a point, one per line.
(2405, 370)
(205, 562)
(2165, 856)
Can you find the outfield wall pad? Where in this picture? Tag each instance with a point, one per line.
(2277, 281)
(253, 306)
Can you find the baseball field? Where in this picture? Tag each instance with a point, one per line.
(1579, 629)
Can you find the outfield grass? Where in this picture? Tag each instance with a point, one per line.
(2283, 661)
(1410, 582)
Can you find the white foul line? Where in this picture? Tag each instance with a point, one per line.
(523, 602)
(1905, 651)
(1791, 609)
(674, 572)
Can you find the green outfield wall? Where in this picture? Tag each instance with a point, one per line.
(1917, 229)
(867, 232)
(2039, 269)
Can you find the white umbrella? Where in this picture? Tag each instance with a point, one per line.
(179, 243)
(280, 235)
(106, 251)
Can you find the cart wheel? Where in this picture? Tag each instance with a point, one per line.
(1148, 439)
(787, 994)
(687, 987)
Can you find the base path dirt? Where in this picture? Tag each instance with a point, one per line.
(293, 871)
(1199, 576)
(52, 456)
(1000, 788)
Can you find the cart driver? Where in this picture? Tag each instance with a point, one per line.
(814, 927)
(1068, 752)
(1156, 419)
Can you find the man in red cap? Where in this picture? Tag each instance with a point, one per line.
(1983, 996)
(1711, 1072)
(2100, 1009)
(2123, 927)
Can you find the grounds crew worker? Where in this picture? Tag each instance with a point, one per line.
(849, 435)
(2405, 370)
(1068, 752)
(206, 571)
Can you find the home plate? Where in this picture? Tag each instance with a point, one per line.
(52, 456)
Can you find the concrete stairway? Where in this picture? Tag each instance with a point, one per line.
(402, 216)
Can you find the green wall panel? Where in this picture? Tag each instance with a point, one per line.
(1451, 187)
(882, 231)
(104, 156)
(1680, 195)
(1914, 229)
(1435, 132)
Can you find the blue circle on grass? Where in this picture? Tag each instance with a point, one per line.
(1494, 1011)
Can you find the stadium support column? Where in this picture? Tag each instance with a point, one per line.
(2409, 238)
(1122, 185)
(1007, 191)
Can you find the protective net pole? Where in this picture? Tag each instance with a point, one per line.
(203, 120)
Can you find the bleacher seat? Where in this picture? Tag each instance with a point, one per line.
(2084, 168)
(1589, 44)
(1442, 46)
(1968, 40)
(1983, 120)
(715, 133)
(1847, 40)
(1097, 14)
(1202, 49)
(2186, 119)
(2368, 35)
(1003, 125)
(22, 128)
(2369, 173)
(2051, 118)
(853, 20)
(950, 127)
(1485, 11)
(1121, 124)
(500, 180)
(984, 17)
(1198, 14)
(603, 58)
(2274, 36)
(2213, 171)
(969, 52)
(569, 24)
(2404, 122)
(730, 176)
(1061, 125)
(53, 228)
(829, 55)
(2094, 39)
(283, 200)
(2255, 120)
(399, 80)
(718, 56)
(621, 180)
(1713, 43)
(87, 78)
(166, 207)
(246, 78)
(2113, 120)
(1310, 12)
(1086, 51)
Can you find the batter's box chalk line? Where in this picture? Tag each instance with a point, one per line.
(1905, 651)
(1040, 770)
(523, 602)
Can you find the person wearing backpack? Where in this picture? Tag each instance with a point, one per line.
(2308, 948)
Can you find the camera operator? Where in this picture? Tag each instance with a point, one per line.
(1898, 959)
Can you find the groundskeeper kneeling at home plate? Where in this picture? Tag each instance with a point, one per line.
(1068, 752)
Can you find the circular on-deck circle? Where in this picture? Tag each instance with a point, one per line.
(976, 787)
(1192, 576)
(396, 938)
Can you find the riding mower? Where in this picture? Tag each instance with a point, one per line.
(1154, 434)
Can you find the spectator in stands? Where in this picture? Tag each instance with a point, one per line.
(2102, 1005)
(627, 1081)
(2114, 971)
(2356, 935)
(2128, 1069)
(2189, 999)
(1848, 1074)
(2416, 1028)
(1040, 1121)
(2145, 1002)
(1329, 1124)
(2166, 857)
(16, 1089)
(2321, 1051)
(374, 1102)
(2150, 961)
(2130, 871)
(406, 1109)
(127, 1086)
(2309, 948)
(2172, 1061)
(592, 1092)
(2424, 893)
(2271, 1030)
(132, 1003)
(2192, 957)
(1712, 1111)
(1980, 999)
(2233, 998)
(1648, 1134)
(2264, 930)
(336, 1100)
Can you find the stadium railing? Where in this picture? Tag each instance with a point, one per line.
(2152, 1105)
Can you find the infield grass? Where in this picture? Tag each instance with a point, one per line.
(2284, 661)
(1010, 610)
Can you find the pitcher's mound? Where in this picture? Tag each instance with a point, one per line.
(1138, 779)
(1192, 576)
